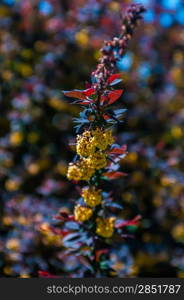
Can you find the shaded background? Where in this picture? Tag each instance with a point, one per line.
(47, 46)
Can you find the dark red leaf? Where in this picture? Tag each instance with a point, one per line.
(113, 77)
(134, 221)
(61, 232)
(63, 216)
(114, 96)
(75, 94)
(120, 150)
(106, 117)
(103, 99)
(84, 102)
(114, 174)
(89, 92)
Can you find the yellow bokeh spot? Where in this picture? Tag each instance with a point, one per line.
(13, 244)
(12, 185)
(7, 270)
(82, 38)
(27, 53)
(57, 104)
(7, 220)
(7, 163)
(114, 6)
(157, 201)
(16, 138)
(24, 275)
(167, 181)
(132, 156)
(33, 168)
(127, 197)
(61, 168)
(176, 74)
(181, 274)
(178, 57)
(97, 54)
(177, 132)
(4, 11)
(40, 46)
(178, 232)
(22, 220)
(24, 69)
(7, 75)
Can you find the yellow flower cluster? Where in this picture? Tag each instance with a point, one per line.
(81, 170)
(92, 197)
(90, 140)
(105, 227)
(90, 147)
(85, 144)
(98, 160)
(82, 213)
(103, 139)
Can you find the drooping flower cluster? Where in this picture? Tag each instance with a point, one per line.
(91, 148)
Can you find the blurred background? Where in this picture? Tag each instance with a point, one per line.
(50, 45)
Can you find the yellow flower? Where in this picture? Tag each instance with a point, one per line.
(105, 227)
(87, 169)
(82, 213)
(74, 172)
(82, 170)
(85, 144)
(92, 196)
(103, 139)
(98, 160)
(108, 137)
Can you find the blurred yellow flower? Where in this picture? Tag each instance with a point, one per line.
(24, 69)
(12, 184)
(7, 270)
(114, 6)
(82, 38)
(176, 132)
(7, 75)
(13, 244)
(61, 168)
(33, 168)
(6, 220)
(178, 232)
(57, 104)
(16, 138)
